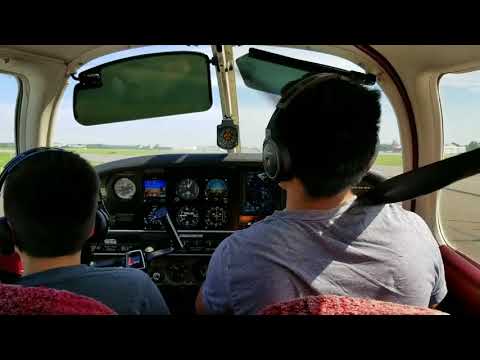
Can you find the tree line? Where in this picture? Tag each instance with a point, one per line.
(473, 145)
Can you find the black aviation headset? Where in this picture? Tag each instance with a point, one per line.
(7, 238)
(277, 161)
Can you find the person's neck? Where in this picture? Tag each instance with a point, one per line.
(34, 265)
(300, 201)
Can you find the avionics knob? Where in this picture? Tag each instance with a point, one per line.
(156, 276)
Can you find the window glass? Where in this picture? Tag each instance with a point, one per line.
(256, 107)
(8, 101)
(196, 132)
(460, 201)
(188, 133)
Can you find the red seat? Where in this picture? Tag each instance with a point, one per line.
(11, 264)
(343, 305)
(463, 281)
(19, 300)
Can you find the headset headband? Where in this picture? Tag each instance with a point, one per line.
(17, 160)
(299, 87)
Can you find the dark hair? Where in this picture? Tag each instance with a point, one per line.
(51, 201)
(331, 132)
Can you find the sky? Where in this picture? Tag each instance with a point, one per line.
(459, 96)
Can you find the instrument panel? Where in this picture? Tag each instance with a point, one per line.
(194, 199)
(194, 202)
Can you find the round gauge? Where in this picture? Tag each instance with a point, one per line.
(124, 188)
(153, 218)
(216, 217)
(187, 189)
(216, 189)
(188, 217)
(227, 137)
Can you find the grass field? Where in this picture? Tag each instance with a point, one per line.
(382, 159)
(4, 158)
(125, 152)
(389, 160)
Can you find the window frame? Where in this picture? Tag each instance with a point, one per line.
(440, 226)
(18, 114)
(18, 108)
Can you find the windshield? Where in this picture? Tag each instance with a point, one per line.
(194, 132)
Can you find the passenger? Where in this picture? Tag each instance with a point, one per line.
(326, 242)
(50, 204)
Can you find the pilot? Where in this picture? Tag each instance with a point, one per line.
(325, 241)
(50, 203)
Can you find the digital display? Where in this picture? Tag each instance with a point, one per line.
(216, 190)
(155, 188)
(259, 196)
(135, 259)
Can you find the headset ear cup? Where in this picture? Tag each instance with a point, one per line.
(101, 226)
(277, 162)
(7, 246)
(99, 234)
(270, 158)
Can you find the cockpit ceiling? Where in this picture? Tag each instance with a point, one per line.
(432, 57)
(421, 57)
(64, 53)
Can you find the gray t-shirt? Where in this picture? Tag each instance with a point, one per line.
(127, 291)
(379, 252)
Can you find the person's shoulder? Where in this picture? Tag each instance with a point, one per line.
(266, 224)
(134, 278)
(118, 272)
(257, 239)
(400, 218)
(406, 215)
(253, 232)
(396, 213)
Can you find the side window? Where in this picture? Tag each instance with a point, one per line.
(389, 161)
(256, 108)
(8, 101)
(460, 202)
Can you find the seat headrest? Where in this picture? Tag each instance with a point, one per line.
(343, 305)
(19, 300)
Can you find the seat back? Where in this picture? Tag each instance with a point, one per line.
(19, 300)
(463, 282)
(343, 305)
